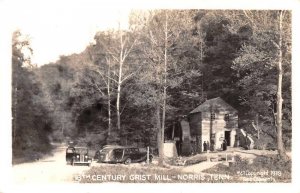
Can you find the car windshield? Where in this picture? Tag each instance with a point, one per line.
(105, 150)
(132, 150)
(70, 150)
(81, 150)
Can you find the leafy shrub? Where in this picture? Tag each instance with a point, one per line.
(195, 160)
(240, 162)
(274, 163)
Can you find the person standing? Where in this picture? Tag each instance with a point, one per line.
(224, 145)
(204, 146)
(208, 146)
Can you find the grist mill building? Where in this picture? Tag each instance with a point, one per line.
(213, 121)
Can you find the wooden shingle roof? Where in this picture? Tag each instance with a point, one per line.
(214, 105)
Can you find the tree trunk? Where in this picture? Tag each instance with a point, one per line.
(108, 101)
(257, 127)
(160, 145)
(212, 118)
(119, 83)
(62, 129)
(280, 146)
(15, 106)
(173, 131)
(165, 90)
(118, 107)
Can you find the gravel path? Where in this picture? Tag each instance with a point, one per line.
(198, 168)
(48, 170)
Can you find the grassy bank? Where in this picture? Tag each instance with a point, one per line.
(31, 154)
(261, 169)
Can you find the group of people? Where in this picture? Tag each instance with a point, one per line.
(210, 147)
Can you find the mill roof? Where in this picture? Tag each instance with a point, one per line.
(215, 104)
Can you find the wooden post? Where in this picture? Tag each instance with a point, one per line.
(257, 126)
(207, 156)
(148, 155)
(173, 130)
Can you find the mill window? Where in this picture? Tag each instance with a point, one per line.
(226, 117)
(212, 116)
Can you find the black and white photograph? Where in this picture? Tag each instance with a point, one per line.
(104, 94)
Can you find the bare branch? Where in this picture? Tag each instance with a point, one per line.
(152, 38)
(129, 50)
(115, 74)
(90, 83)
(99, 72)
(250, 19)
(283, 13)
(113, 55)
(131, 74)
(112, 79)
(123, 108)
(275, 44)
(111, 52)
(97, 87)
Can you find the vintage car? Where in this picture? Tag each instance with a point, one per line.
(78, 155)
(121, 154)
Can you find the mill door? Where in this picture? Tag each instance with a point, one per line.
(227, 137)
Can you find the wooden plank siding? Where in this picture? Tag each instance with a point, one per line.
(223, 125)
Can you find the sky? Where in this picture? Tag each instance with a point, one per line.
(56, 29)
(63, 27)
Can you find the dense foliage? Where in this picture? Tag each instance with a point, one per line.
(131, 83)
(31, 124)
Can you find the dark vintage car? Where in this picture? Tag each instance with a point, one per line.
(78, 155)
(120, 154)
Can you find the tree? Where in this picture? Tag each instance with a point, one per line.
(262, 61)
(31, 124)
(280, 147)
(100, 63)
(167, 63)
(161, 50)
(117, 50)
(222, 46)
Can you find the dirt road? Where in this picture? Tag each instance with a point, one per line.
(52, 169)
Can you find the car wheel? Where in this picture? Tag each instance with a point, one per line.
(127, 161)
